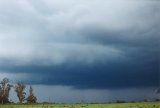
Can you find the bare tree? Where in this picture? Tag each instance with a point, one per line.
(31, 98)
(19, 89)
(5, 88)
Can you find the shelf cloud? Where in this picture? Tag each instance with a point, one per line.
(98, 44)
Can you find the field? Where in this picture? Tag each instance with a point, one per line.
(120, 105)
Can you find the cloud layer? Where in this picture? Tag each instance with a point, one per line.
(84, 44)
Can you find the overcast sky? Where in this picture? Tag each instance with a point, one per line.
(92, 50)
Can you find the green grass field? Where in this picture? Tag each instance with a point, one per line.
(120, 105)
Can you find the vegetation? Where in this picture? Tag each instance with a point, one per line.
(5, 88)
(19, 89)
(115, 105)
(31, 98)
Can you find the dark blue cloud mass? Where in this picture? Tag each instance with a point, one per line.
(113, 75)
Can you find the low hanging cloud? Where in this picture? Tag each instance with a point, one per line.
(84, 44)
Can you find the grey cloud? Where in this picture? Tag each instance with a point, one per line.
(104, 40)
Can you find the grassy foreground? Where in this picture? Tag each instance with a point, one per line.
(121, 105)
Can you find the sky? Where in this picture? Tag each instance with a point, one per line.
(74, 51)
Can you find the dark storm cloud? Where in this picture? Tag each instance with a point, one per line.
(115, 45)
(97, 76)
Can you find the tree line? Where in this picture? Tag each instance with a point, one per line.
(19, 88)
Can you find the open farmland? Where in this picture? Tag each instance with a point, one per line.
(120, 105)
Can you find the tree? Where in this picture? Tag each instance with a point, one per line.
(19, 89)
(31, 98)
(5, 88)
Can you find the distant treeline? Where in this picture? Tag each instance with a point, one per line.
(19, 88)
